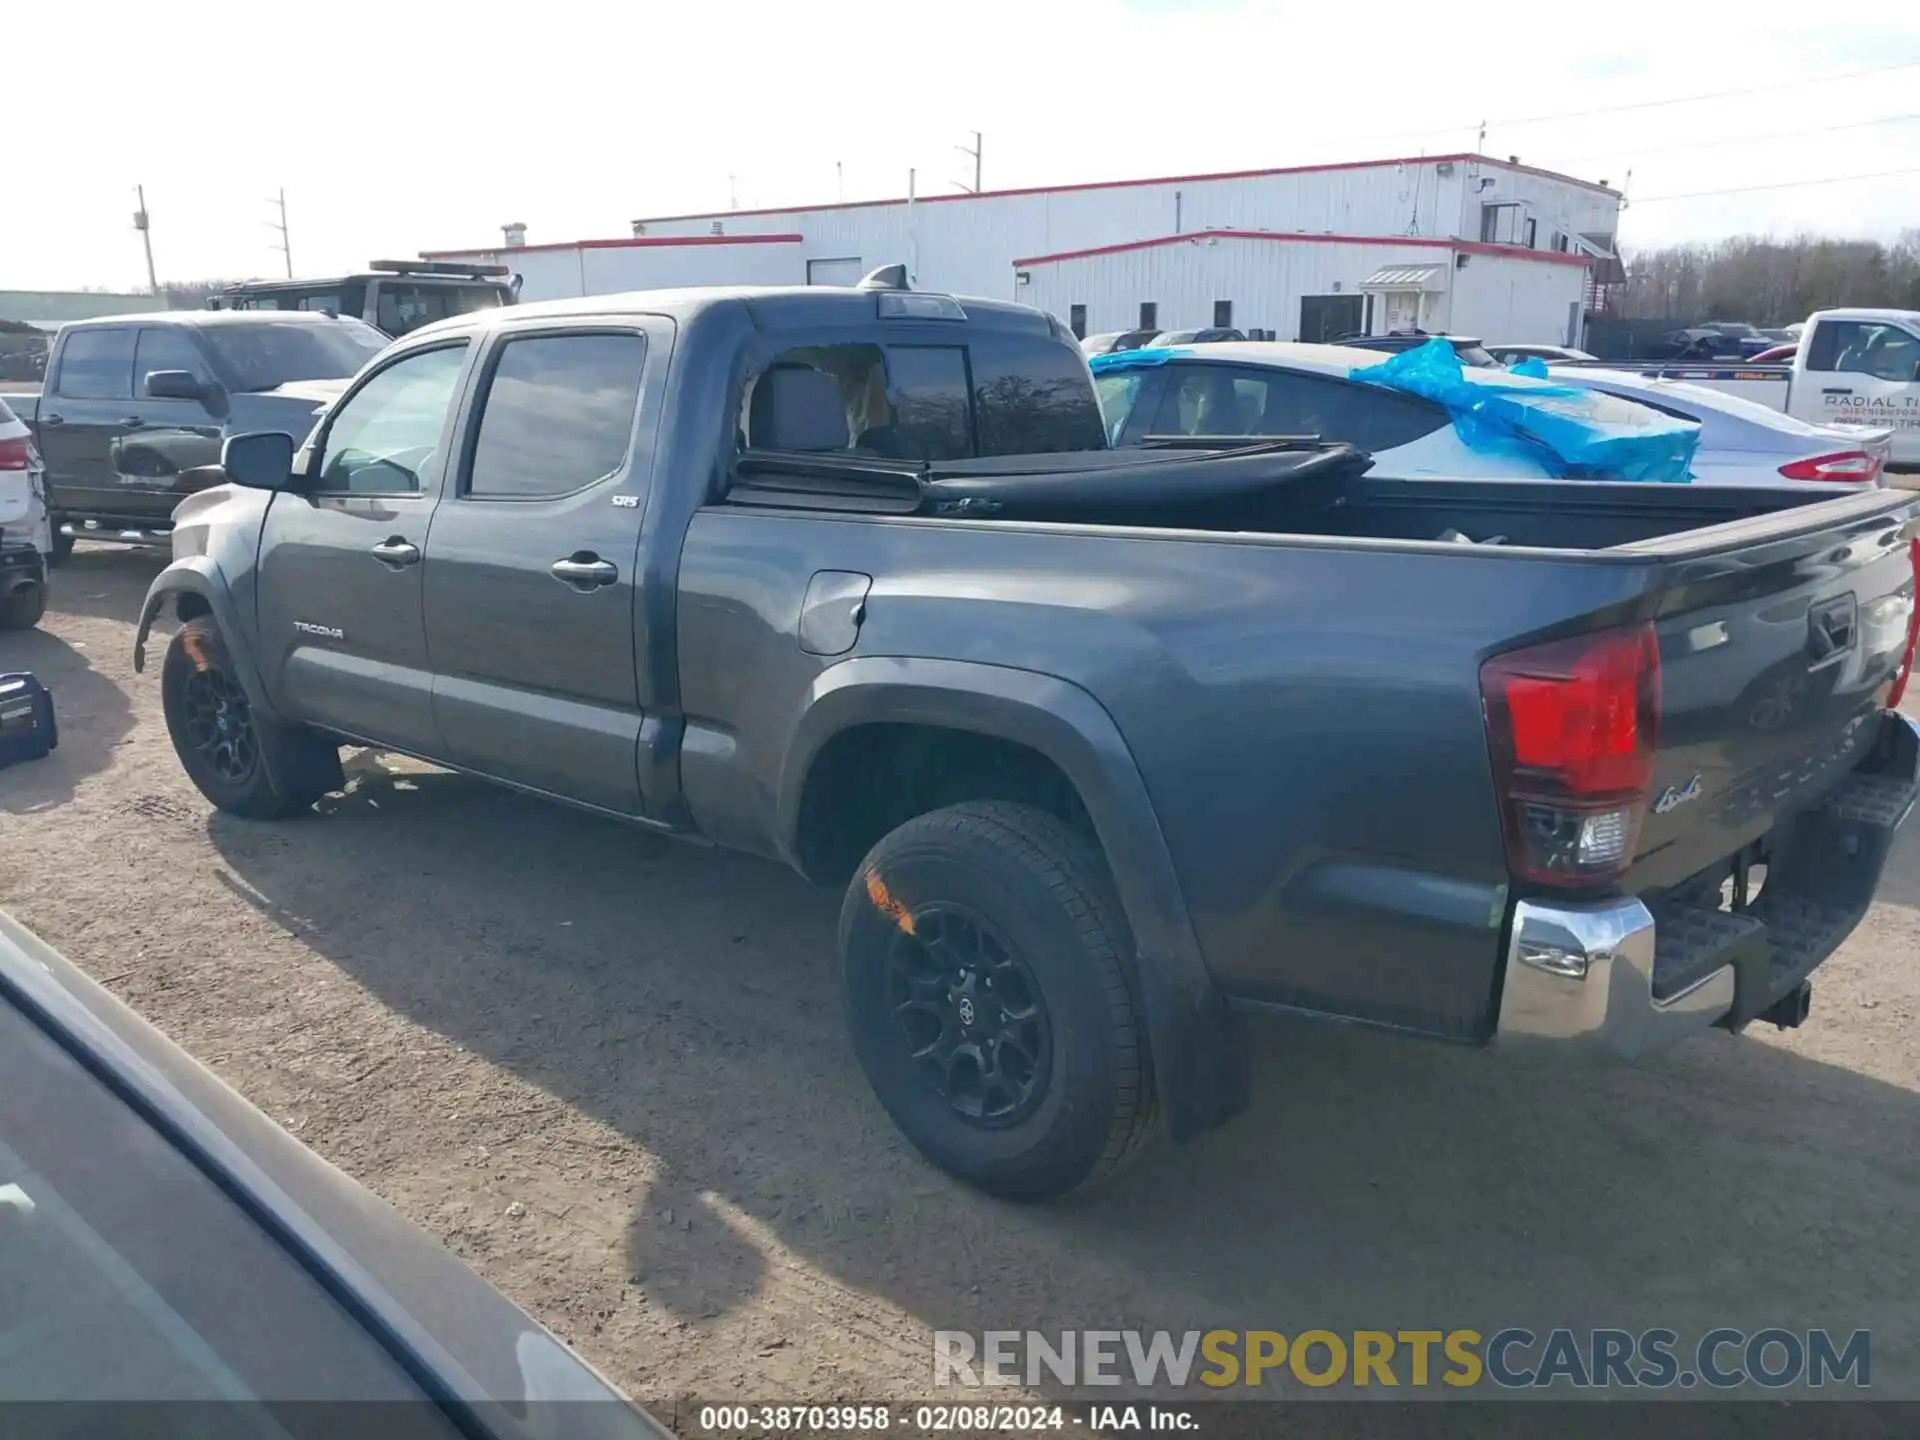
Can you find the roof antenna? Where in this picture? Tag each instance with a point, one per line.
(885, 277)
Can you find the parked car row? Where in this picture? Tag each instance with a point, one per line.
(1118, 341)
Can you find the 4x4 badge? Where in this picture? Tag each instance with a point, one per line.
(1674, 796)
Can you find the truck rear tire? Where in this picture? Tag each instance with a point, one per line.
(244, 763)
(62, 546)
(988, 991)
(23, 608)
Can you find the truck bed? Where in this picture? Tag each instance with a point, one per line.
(1294, 487)
(1303, 698)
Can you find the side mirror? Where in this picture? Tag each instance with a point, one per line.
(261, 460)
(174, 385)
(182, 385)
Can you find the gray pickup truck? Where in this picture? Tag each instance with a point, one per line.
(135, 403)
(1105, 746)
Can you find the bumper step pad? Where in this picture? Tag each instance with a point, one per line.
(1817, 889)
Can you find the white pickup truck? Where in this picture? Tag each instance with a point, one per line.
(1859, 367)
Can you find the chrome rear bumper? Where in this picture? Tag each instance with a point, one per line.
(1594, 976)
(1583, 975)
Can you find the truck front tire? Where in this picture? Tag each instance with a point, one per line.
(990, 1002)
(244, 763)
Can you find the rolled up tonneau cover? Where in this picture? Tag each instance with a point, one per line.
(1128, 483)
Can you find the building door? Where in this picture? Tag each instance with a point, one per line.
(1324, 316)
(842, 271)
(1403, 310)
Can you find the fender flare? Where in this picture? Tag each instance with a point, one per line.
(199, 575)
(1199, 1071)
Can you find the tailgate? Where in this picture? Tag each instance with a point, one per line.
(1775, 660)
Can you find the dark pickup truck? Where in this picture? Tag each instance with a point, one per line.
(133, 403)
(1104, 746)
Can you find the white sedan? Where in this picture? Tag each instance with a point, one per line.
(1287, 388)
(1743, 442)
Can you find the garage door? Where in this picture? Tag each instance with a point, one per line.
(843, 271)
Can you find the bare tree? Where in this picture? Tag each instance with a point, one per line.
(1770, 282)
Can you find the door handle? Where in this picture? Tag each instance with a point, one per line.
(53, 419)
(1837, 390)
(584, 571)
(396, 552)
(131, 422)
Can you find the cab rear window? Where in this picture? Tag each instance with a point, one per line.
(994, 395)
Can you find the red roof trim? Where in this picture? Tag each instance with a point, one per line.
(637, 242)
(1462, 158)
(1469, 247)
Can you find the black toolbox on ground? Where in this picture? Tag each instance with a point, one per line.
(27, 730)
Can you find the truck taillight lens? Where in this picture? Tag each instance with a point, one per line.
(1572, 727)
(1849, 467)
(16, 454)
(1905, 672)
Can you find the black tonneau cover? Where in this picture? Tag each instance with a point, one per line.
(1091, 485)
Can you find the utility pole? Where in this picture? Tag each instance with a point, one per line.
(973, 189)
(286, 240)
(146, 237)
(733, 193)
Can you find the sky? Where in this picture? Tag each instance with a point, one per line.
(427, 124)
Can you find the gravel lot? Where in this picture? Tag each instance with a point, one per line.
(609, 1071)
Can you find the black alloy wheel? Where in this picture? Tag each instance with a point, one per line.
(219, 725)
(970, 1014)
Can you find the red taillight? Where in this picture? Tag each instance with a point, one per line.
(1572, 726)
(1905, 672)
(1848, 467)
(16, 454)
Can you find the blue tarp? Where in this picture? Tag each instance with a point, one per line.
(1144, 358)
(1582, 434)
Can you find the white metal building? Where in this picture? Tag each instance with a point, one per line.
(1397, 211)
(1312, 287)
(608, 267)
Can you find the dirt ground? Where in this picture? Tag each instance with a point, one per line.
(609, 1070)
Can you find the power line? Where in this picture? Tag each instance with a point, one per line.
(1470, 126)
(1782, 185)
(1744, 139)
(1709, 95)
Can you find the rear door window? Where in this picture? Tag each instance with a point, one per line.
(98, 364)
(557, 416)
